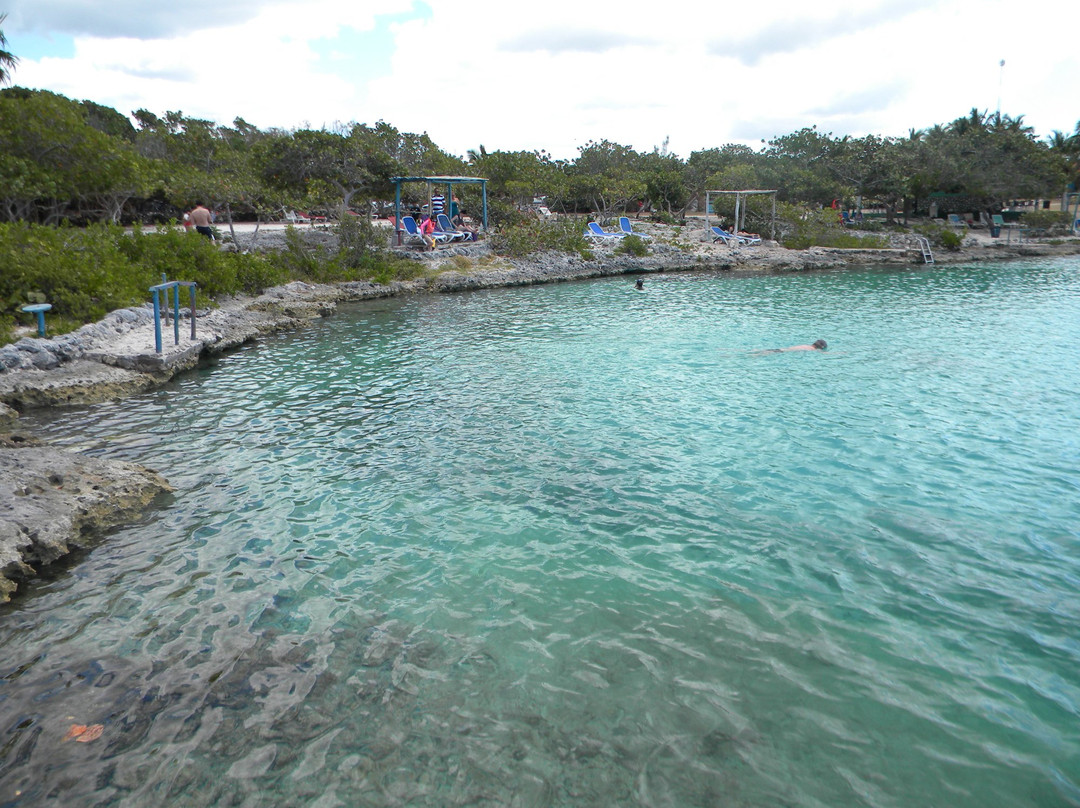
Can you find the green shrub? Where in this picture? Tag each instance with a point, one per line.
(532, 235)
(299, 260)
(256, 273)
(951, 241)
(663, 217)
(83, 273)
(358, 241)
(802, 228)
(1054, 222)
(939, 235)
(632, 245)
(180, 255)
(86, 273)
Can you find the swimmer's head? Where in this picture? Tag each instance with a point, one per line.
(820, 345)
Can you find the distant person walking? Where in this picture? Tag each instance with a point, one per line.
(201, 218)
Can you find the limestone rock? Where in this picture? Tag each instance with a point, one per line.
(8, 416)
(53, 501)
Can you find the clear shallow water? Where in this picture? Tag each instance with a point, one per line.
(578, 545)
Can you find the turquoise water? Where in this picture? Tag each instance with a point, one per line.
(578, 545)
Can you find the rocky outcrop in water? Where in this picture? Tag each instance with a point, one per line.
(53, 501)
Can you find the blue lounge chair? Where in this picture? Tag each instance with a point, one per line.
(627, 228)
(720, 234)
(446, 227)
(598, 235)
(414, 230)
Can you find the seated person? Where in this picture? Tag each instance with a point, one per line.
(427, 232)
(461, 227)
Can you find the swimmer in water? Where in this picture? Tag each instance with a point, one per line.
(820, 345)
(640, 284)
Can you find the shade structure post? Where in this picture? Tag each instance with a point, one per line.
(157, 321)
(397, 212)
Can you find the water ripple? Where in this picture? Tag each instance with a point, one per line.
(576, 545)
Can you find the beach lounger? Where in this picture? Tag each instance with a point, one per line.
(292, 217)
(598, 235)
(413, 229)
(720, 234)
(628, 229)
(446, 227)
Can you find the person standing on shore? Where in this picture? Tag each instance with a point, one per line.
(201, 218)
(438, 204)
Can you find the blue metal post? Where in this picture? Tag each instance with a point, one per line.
(157, 321)
(483, 187)
(191, 289)
(397, 213)
(176, 314)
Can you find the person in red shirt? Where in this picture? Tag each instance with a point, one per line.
(427, 232)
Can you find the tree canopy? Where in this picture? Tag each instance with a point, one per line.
(82, 161)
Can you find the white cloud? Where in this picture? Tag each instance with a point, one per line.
(562, 74)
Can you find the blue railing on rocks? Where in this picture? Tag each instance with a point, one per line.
(165, 286)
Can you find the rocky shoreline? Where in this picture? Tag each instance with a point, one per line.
(55, 501)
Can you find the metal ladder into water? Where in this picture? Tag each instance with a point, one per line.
(924, 245)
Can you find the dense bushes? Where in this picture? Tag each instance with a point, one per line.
(939, 235)
(87, 272)
(83, 273)
(1054, 222)
(534, 235)
(359, 254)
(801, 228)
(632, 245)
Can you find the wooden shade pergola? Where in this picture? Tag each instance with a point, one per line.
(740, 208)
(449, 182)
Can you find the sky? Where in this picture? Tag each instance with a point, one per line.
(558, 74)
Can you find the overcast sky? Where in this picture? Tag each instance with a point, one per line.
(557, 74)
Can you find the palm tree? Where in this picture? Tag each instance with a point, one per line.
(8, 60)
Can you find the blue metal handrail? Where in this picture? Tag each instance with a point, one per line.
(165, 286)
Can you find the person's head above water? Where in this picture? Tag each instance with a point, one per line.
(820, 345)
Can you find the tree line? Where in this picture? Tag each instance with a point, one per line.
(79, 161)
